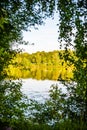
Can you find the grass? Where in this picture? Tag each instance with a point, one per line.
(66, 125)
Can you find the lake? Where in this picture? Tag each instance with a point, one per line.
(39, 89)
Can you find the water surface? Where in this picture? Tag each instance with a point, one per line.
(39, 89)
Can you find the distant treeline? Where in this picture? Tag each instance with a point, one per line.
(40, 65)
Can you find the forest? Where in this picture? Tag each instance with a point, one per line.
(63, 111)
(41, 65)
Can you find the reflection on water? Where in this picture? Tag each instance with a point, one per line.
(42, 73)
(39, 89)
(38, 79)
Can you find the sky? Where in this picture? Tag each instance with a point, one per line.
(44, 39)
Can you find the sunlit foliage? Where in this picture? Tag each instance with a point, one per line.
(41, 65)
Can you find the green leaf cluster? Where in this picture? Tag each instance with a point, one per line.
(16, 16)
(19, 15)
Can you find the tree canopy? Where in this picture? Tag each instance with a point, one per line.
(19, 15)
(16, 16)
(73, 31)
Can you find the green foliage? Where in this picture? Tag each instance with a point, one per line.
(26, 125)
(67, 125)
(53, 114)
(12, 106)
(18, 15)
(73, 24)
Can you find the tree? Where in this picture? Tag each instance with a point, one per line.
(72, 30)
(16, 16)
(72, 34)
